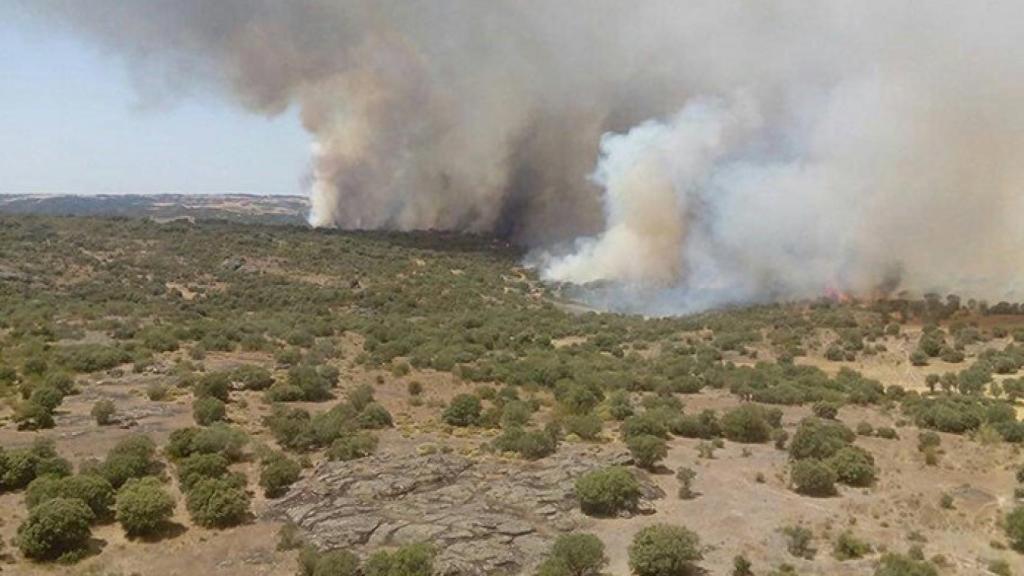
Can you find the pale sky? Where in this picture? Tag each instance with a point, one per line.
(71, 121)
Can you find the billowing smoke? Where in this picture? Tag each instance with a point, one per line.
(691, 153)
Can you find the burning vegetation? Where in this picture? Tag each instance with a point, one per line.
(695, 154)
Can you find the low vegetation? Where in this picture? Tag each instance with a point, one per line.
(280, 352)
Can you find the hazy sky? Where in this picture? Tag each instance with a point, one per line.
(71, 121)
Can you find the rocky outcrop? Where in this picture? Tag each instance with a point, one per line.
(233, 263)
(484, 516)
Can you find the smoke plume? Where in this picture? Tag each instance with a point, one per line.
(691, 154)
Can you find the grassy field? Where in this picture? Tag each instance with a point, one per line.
(251, 355)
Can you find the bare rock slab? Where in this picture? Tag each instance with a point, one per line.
(484, 516)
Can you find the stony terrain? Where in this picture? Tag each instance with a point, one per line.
(486, 515)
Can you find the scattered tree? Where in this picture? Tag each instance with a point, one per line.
(143, 506)
(217, 503)
(664, 550)
(464, 410)
(607, 491)
(57, 529)
(91, 489)
(647, 450)
(813, 478)
(686, 476)
(277, 473)
(574, 555)
(206, 410)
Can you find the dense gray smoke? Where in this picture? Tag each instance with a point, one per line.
(745, 150)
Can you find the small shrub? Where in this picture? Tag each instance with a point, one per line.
(20, 467)
(779, 438)
(820, 439)
(411, 560)
(360, 397)
(586, 426)
(213, 385)
(31, 415)
(464, 410)
(353, 446)
(577, 398)
(530, 444)
(283, 392)
(216, 439)
(664, 550)
(305, 382)
(574, 555)
(706, 450)
(91, 489)
(289, 538)
(103, 412)
(886, 432)
(741, 566)
(207, 410)
(335, 563)
(928, 439)
(607, 491)
(619, 405)
(748, 423)
(143, 506)
(197, 467)
(374, 417)
(277, 473)
(217, 503)
(899, 565)
(704, 425)
(853, 466)
(647, 450)
(516, 414)
(686, 476)
(849, 547)
(646, 424)
(1013, 524)
(798, 541)
(57, 529)
(825, 410)
(252, 377)
(813, 478)
(132, 457)
(946, 501)
(157, 392)
(1000, 568)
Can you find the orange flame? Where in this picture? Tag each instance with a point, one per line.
(837, 295)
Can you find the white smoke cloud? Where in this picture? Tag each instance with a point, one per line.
(654, 178)
(874, 187)
(753, 150)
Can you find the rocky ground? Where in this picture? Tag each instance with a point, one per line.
(485, 515)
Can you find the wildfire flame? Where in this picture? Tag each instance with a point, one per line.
(836, 294)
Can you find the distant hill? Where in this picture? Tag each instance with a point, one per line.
(235, 207)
